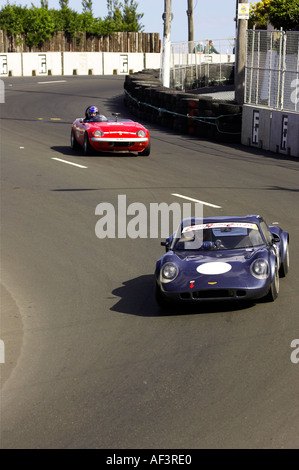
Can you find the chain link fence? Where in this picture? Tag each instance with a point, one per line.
(196, 64)
(272, 69)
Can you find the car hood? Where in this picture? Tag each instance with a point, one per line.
(117, 127)
(219, 268)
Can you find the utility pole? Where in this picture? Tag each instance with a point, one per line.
(190, 25)
(240, 55)
(167, 17)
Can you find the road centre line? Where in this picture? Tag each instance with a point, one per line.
(196, 200)
(69, 163)
(52, 81)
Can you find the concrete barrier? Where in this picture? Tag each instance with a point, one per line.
(75, 63)
(189, 113)
(274, 130)
(82, 63)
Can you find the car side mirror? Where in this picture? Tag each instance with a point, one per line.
(275, 238)
(166, 243)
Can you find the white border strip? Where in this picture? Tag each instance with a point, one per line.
(196, 200)
(69, 163)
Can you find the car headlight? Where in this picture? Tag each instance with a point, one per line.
(98, 133)
(260, 268)
(169, 272)
(141, 133)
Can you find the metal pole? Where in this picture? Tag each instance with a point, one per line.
(252, 63)
(167, 16)
(240, 58)
(279, 68)
(190, 25)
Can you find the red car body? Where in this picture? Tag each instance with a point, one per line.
(110, 135)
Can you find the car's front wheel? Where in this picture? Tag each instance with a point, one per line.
(74, 143)
(146, 152)
(284, 267)
(274, 288)
(87, 149)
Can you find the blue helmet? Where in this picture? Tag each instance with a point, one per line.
(93, 109)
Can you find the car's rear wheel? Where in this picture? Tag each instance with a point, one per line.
(74, 143)
(284, 267)
(87, 149)
(274, 288)
(146, 152)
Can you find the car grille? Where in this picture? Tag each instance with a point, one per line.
(213, 294)
(120, 144)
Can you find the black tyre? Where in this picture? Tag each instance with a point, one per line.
(74, 143)
(87, 149)
(274, 288)
(146, 152)
(284, 267)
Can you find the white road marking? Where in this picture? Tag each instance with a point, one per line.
(53, 81)
(69, 163)
(197, 200)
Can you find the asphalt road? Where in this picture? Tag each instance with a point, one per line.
(90, 361)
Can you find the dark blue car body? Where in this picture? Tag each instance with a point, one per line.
(236, 258)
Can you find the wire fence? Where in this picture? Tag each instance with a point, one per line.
(272, 69)
(195, 64)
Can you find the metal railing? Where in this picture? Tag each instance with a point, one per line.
(272, 69)
(199, 63)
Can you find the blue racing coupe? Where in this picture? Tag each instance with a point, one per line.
(222, 258)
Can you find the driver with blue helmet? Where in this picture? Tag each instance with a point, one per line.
(91, 114)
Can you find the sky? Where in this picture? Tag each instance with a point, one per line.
(211, 18)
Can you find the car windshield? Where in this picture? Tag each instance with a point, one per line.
(218, 236)
(97, 118)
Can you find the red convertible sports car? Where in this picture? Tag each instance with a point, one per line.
(97, 133)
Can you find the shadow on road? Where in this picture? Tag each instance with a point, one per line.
(67, 150)
(137, 298)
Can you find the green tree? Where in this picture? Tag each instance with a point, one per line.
(39, 26)
(64, 4)
(88, 23)
(87, 6)
(258, 15)
(284, 14)
(114, 17)
(12, 19)
(71, 21)
(131, 18)
(281, 14)
(123, 17)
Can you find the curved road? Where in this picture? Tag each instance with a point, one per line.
(90, 362)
